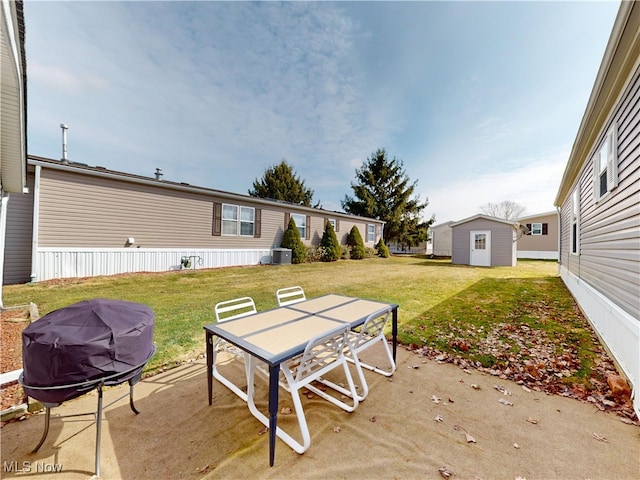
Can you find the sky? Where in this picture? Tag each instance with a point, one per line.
(480, 101)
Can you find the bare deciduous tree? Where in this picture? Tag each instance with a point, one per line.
(506, 209)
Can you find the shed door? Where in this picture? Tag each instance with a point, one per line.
(480, 244)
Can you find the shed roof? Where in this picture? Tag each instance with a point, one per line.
(484, 217)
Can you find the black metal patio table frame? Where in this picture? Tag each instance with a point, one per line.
(276, 335)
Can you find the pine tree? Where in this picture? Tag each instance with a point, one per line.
(383, 250)
(383, 192)
(279, 182)
(291, 239)
(330, 243)
(354, 240)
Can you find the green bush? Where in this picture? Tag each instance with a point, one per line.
(382, 248)
(330, 243)
(354, 240)
(291, 239)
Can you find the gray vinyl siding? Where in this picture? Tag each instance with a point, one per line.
(609, 237)
(501, 242)
(17, 253)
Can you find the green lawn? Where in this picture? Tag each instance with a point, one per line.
(484, 315)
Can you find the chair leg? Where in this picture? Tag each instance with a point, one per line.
(224, 380)
(386, 373)
(98, 431)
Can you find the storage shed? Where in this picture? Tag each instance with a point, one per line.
(441, 238)
(484, 241)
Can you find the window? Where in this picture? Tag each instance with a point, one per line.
(605, 165)
(333, 223)
(301, 223)
(536, 229)
(575, 218)
(371, 233)
(238, 220)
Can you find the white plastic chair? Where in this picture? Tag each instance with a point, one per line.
(322, 354)
(371, 332)
(290, 295)
(227, 310)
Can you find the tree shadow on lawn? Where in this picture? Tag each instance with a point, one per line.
(529, 330)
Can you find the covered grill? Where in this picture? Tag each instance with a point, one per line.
(85, 342)
(86, 346)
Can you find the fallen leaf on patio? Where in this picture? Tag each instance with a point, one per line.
(439, 418)
(451, 401)
(336, 429)
(505, 402)
(309, 395)
(626, 420)
(445, 472)
(532, 420)
(373, 419)
(475, 386)
(414, 366)
(526, 389)
(515, 445)
(263, 430)
(435, 399)
(204, 469)
(286, 411)
(520, 478)
(470, 439)
(600, 438)
(502, 389)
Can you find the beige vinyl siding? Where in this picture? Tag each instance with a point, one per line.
(78, 210)
(17, 253)
(548, 242)
(609, 257)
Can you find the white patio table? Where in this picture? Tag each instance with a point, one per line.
(276, 335)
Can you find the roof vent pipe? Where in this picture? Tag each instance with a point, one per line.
(64, 143)
(158, 174)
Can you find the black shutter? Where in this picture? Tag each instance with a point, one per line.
(545, 229)
(308, 229)
(258, 223)
(287, 217)
(217, 219)
(528, 229)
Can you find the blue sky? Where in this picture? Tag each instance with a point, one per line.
(480, 100)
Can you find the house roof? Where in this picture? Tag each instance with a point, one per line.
(484, 217)
(538, 215)
(103, 172)
(445, 224)
(13, 134)
(621, 59)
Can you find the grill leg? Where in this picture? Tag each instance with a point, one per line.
(47, 417)
(98, 430)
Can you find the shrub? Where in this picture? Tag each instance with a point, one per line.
(291, 239)
(315, 253)
(382, 248)
(354, 240)
(330, 244)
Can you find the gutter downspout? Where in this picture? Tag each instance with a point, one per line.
(36, 219)
(4, 201)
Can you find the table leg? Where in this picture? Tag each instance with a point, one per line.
(210, 366)
(394, 330)
(274, 376)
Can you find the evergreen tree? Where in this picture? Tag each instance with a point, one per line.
(354, 240)
(383, 250)
(291, 239)
(330, 243)
(383, 192)
(279, 182)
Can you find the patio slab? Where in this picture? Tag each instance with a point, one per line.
(410, 426)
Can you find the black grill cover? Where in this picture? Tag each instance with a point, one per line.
(88, 340)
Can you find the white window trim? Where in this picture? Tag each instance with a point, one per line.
(371, 232)
(533, 229)
(605, 161)
(575, 219)
(238, 220)
(302, 229)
